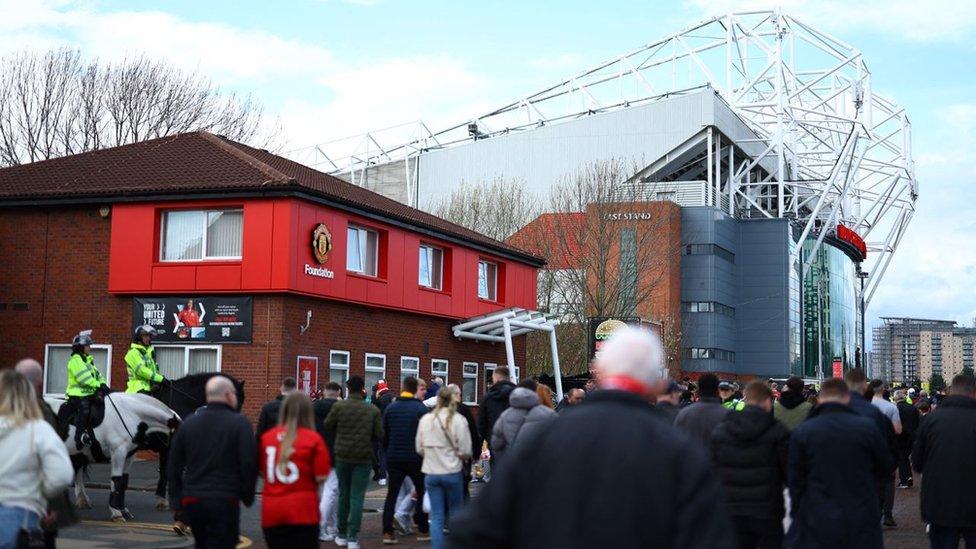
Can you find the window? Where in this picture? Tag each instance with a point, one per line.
(202, 234)
(438, 368)
(339, 368)
(709, 249)
(707, 307)
(56, 361)
(176, 361)
(409, 367)
(487, 280)
(431, 267)
(375, 369)
(708, 353)
(469, 382)
(627, 271)
(362, 250)
(489, 371)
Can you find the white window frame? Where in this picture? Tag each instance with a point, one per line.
(447, 370)
(108, 362)
(404, 372)
(334, 366)
(203, 245)
(374, 369)
(186, 354)
(493, 288)
(436, 282)
(376, 255)
(465, 375)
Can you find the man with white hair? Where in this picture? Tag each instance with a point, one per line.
(608, 473)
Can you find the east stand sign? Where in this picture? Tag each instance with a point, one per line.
(198, 319)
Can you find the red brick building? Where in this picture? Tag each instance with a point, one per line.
(248, 263)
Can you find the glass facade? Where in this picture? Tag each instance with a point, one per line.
(829, 311)
(796, 364)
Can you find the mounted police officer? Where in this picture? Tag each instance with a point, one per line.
(140, 362)
(85, 384)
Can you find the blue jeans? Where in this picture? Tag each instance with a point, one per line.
(12, 519)
(446, 495)
(942, 537)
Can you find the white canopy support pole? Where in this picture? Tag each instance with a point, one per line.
(509, 352)
(555, 365)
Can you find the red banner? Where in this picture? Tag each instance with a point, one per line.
(838, 368)
(307, 373)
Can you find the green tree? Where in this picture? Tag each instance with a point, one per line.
(936, 383)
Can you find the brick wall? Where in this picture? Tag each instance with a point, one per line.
(55, 261)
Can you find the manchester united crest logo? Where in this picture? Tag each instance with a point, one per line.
(321, 243)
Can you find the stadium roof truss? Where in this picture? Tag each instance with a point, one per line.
(841, 152)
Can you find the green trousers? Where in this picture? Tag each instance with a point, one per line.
(353, 481)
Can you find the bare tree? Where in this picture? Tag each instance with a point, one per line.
(496, 209)
(56, 103)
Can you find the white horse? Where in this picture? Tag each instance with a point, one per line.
(129, 419)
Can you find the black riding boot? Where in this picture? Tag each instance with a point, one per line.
(82, 420)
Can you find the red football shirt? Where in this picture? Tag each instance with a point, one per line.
(189, 317)
(290, 492)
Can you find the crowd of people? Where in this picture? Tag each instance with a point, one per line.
(637, 460)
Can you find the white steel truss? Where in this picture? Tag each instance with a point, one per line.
(841, 153)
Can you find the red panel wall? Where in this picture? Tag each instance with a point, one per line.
(277, 246)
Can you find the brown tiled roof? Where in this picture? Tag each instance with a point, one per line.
(201, 162)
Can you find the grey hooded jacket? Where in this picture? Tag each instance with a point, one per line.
(523, 417)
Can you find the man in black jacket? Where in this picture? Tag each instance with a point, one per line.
(268, 417)
(330, 489)
(857, 383)
(212, 467)
(700, 418)
(910, 419)
(606, 473)
(494, 403)
(400, 423)
(945, 455)
(749, 450)
(837, 459)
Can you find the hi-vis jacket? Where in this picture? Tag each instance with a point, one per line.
(140, 364)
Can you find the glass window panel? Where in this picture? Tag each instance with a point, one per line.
(57, 371)
(203, 360)
(482, 280)
(354, 260)
(183, 235)
(469, 389)
(224, 233)
(425, 261)
(372, 378)
(439, 368)
(171, 361)
(409, 366)
(437, 267)
(371, 252)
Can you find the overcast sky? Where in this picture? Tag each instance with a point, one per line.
(333, 68)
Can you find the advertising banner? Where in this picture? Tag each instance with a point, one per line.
(838, 368)
(307, 373)
(199, 319)
(600, 329)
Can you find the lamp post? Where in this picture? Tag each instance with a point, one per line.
(864, 328)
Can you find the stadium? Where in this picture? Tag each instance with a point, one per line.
(793, 177)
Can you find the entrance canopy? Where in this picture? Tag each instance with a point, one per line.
(502, 326)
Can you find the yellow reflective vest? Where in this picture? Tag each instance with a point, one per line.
(83, 377)
(140, 364)
(735, 404)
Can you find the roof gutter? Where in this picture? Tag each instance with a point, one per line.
(269, 192)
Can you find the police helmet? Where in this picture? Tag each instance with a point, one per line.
(83, 338)
(144, 329)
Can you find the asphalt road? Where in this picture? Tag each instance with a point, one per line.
(152, 528)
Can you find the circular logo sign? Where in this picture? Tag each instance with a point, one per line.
(321, 243)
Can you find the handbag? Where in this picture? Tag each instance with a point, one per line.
(450, 439)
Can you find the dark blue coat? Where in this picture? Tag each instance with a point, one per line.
(400, 422)
(864, 408)
(837, 460)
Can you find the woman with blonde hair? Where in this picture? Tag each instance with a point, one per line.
(34, 463)
(444, 443)
(294, 463)
(545, 396)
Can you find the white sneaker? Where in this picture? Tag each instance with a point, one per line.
(342, 542)
(382, 482)
(324, 535)
(353, 544)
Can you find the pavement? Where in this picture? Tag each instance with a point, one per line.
(152, 528)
